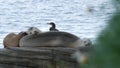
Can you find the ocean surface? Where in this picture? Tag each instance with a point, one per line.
(83, 18)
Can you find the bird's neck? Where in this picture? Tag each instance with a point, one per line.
(53, 26)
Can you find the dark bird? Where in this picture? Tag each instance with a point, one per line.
(53, 27)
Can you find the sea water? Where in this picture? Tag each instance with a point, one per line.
(83, 18)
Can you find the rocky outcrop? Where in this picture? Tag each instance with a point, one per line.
(43, 57)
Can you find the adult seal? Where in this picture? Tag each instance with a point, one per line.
(51, 39)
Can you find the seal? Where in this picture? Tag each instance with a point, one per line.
(51, 39)
(33, 30)
(12, 39)
(87, 41)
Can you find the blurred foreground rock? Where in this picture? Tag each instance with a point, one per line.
(41, 57)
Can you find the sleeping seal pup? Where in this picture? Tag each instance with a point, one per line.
(12, 39)
(51, 39)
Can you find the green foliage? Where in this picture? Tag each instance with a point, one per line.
(107, 47)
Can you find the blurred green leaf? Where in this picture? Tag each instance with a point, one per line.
(107, 47)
